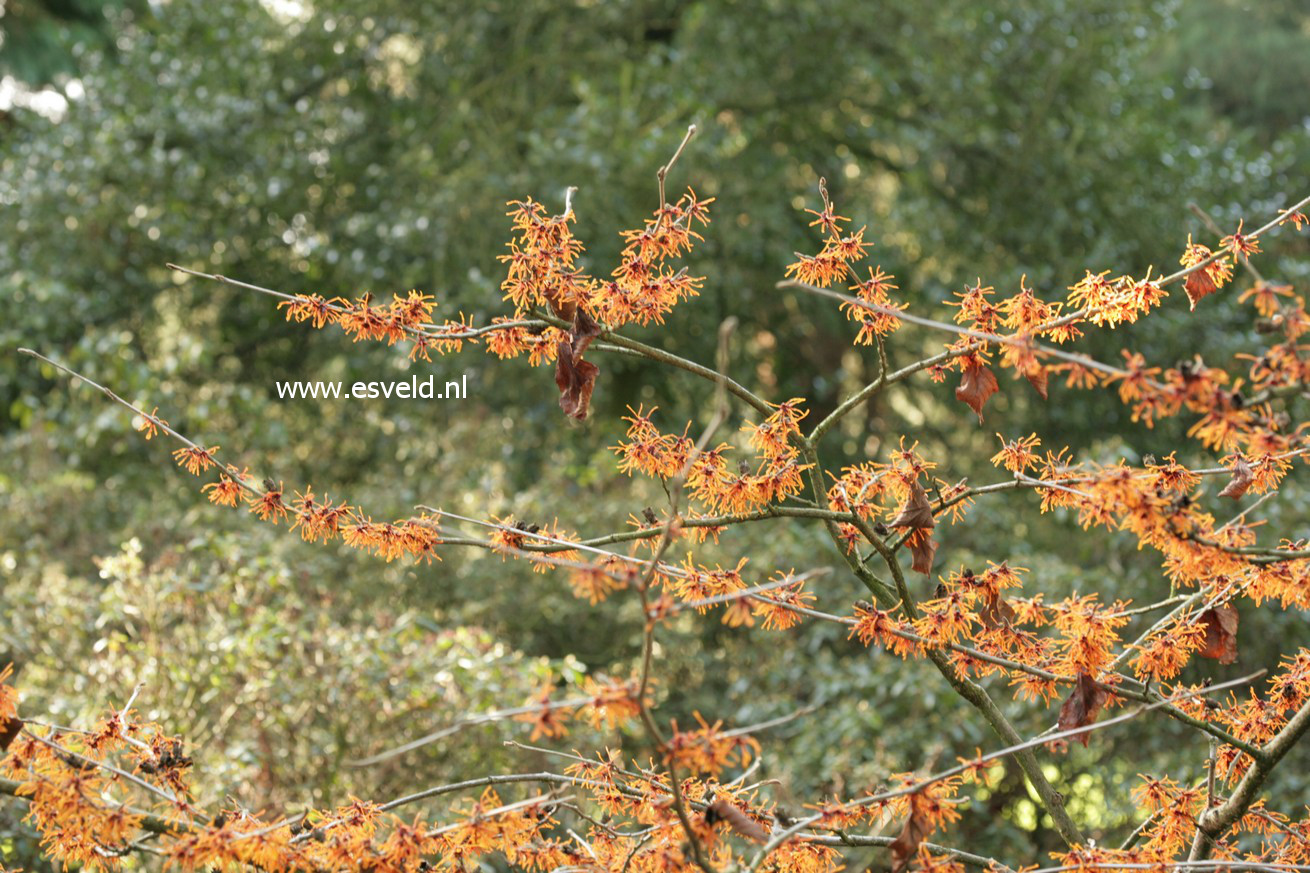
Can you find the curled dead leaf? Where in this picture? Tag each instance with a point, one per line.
(1220, 633)
(574, 377)
(1083, 705)
(977, 383)
(10, 724)
(1243, 476)
(584, 330)
(996, 612)
(1198, 285)
(9, 730)
(916, 512)
(1036, 376)
(915, 830)
(563, 308)
(923, 549)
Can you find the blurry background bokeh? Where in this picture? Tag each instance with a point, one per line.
(340, 147)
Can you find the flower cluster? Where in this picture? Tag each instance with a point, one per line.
(872, 307)
(404, 318)
(708, 475)
(93, 794)
(317, 517)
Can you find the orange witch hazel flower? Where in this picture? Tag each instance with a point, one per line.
(268, 504)
(1017, 455)
(875, 323)
(710, 749)
(1165, 654)
(312, 308)
(1264, 296)
(149, 425)
(976, 307)
(546, 716)
(225, 492)
(1295, 216)
(1240, 244)
(780, 606)
(1110, 302)
(840, 250)
(542, 271)
(196, 459)
(1098, 295)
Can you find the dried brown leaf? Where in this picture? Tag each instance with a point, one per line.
(977, 383)
(565, 309)
(923, 548)
(915, 830)
(576, 379)
(1198, 285)
(996, 612)
(9, 729)
(1082, 706)
(10, 724)
(584, 330)
(1243, 476)
(916, 512)
(1037, 378)
(1220, 633)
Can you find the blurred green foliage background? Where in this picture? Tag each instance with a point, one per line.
(337, 147)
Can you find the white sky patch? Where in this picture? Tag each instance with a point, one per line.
(287, 11)
(46, 102)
